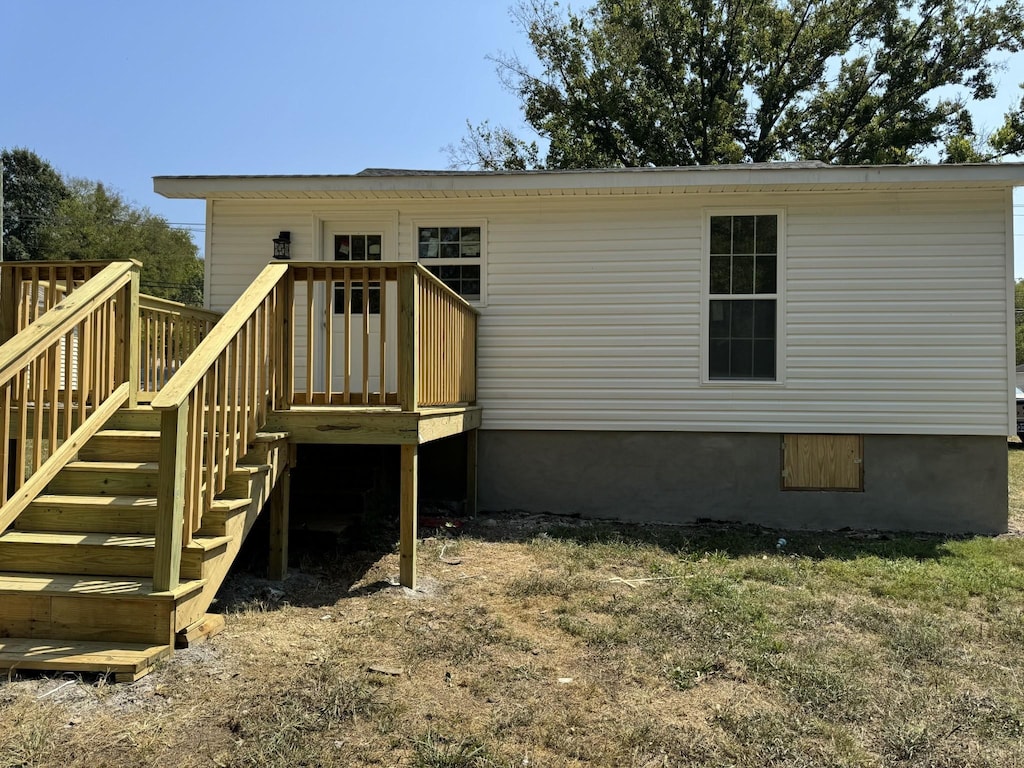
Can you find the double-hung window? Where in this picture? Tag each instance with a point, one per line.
(455, 256)
(742, 312)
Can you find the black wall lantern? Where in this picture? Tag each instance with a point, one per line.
(283, 246)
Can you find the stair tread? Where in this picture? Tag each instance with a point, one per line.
(136, 502)
(146, 466)
(60, 583)
(114, 466)
(126, 660)
(103, 539)
(154, 433)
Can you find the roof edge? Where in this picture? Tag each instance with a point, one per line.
(398, 181)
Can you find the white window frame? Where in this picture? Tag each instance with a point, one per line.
(705, 299)
(448, 221)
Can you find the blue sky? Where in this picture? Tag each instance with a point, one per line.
(124, 91)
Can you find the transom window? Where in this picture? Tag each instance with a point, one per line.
(357, 247)
(743, 299)
(453, 254)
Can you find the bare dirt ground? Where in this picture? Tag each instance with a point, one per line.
(543, 641)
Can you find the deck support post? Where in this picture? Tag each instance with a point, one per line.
(471, 472)
(407, 546)
(280, 500)
(170, 510)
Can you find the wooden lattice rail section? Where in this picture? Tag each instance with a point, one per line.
(169, 332)
(415, 346)
(63, 375)
(212, 407)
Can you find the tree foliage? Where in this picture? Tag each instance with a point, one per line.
(681, 82)
(88, 221)
(32, 191)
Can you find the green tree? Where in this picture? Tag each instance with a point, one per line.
(681, 82)
(33, 191)
(94, 222)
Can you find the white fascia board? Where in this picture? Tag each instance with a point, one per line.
(999, 175)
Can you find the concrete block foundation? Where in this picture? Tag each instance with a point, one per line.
(950, 484)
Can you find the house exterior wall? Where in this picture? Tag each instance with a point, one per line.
(894, 307)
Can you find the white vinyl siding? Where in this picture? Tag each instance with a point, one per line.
(895, 316)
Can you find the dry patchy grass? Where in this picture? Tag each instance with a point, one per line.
(542, 642)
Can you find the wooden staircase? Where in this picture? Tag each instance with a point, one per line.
(117, 523)
(76, 587)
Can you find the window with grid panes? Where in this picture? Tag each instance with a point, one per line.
(453, 254)
(357, 247)
(743, 263)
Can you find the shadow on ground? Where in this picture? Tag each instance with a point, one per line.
(698, 539)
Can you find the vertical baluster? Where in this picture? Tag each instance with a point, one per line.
(328, 335)
(382, 396)
(66, 373)
(222, 426)
(366, 336)
(37, 416)
(21, 451)
(347, 346)
(310, 347)
(50, 406)
(211, 432)
(5, 435)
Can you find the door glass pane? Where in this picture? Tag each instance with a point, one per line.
(358, 247)
(342, 248)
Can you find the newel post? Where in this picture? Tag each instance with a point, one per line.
(285, 314)
(170, 505)
(408, 337)
(132, 338)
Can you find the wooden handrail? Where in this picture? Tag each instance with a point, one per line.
(67, 372)
(212, 407)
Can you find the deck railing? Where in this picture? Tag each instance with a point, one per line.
(415, 346)
(63, 375)
(168, 333)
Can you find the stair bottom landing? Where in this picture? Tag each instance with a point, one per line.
(125, 662)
